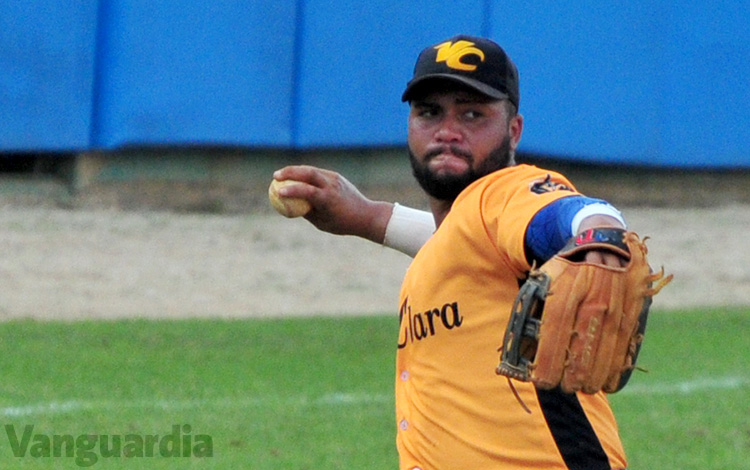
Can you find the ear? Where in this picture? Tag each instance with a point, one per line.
(515, 129)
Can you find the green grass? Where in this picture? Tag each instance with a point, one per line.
(272, 394)
(317, 393)
(691, 410)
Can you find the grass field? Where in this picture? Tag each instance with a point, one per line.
(317, 394)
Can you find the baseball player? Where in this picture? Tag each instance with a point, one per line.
(492, 220)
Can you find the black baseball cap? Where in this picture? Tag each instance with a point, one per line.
(476, 62)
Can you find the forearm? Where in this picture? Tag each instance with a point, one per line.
(373, 221)
(552, 227)
(339, 208)
(599, 220)
(596, 215)
(408, 229)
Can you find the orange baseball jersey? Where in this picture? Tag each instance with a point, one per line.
(453, 411)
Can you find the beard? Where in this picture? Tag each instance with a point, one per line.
(448, 187)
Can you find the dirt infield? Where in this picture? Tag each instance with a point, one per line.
(94, 263)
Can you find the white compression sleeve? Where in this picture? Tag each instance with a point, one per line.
(408, 229)
(595, 209)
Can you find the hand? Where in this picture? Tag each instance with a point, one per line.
(338, 206)
(606, 258)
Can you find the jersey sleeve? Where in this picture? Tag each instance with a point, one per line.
(509, 204)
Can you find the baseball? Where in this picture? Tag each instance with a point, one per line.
(287, 206)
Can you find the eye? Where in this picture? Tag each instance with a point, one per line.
(472, 114)
(427, 111)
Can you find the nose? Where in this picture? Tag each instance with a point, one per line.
(448, 130)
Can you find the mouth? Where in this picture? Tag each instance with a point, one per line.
(447, 151)
(449, 159)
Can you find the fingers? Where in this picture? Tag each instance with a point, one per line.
(315, 180)
(307, 174)
(605, 258)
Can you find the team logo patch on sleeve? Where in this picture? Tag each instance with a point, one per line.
(547, 186)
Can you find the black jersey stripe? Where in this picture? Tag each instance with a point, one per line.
(575, 437)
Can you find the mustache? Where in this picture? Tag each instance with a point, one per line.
(444, 149)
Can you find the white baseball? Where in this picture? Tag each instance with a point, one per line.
(287, 206)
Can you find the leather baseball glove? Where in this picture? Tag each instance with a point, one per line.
(579, 325)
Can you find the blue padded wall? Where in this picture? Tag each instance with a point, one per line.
(47, 54)
(356, 59)
(641, 82)
(635, 82)
(207, 73)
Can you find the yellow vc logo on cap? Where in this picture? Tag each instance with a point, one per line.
(452, 53)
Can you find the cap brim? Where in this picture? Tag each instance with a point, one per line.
(413, 86)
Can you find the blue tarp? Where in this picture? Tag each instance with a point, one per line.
(641, 82)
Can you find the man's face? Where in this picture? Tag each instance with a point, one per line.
(456, 137)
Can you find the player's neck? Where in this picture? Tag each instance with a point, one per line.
(439, 209)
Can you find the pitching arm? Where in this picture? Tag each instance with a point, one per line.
(338, 207)
(408, 229)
